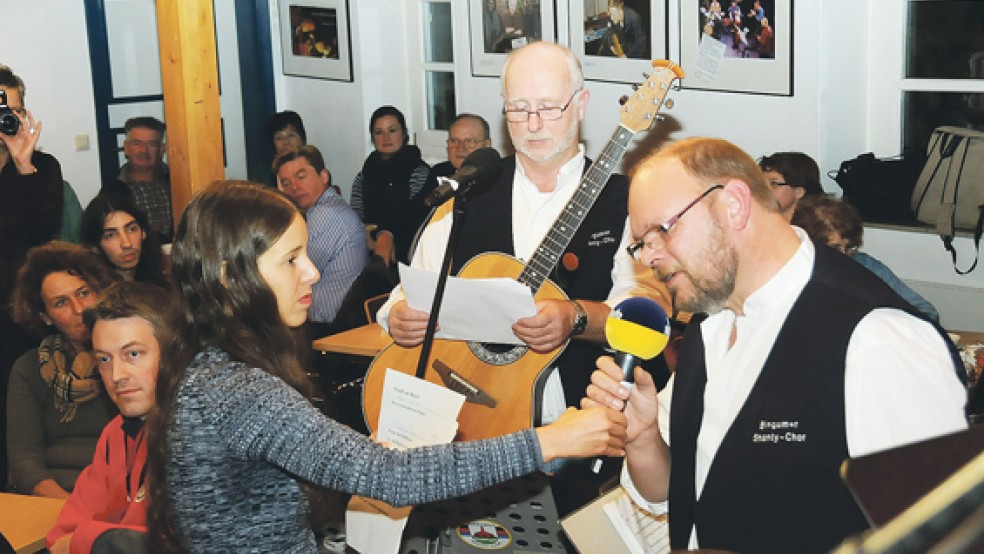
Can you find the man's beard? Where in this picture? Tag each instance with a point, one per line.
(562, 145)
(716, 282)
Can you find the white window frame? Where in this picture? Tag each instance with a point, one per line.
(887, 84)
(431, 141)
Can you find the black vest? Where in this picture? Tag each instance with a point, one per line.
(774, 484)
(487, 227)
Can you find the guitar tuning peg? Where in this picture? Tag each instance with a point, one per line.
(623, 99)
(635, 86)
(669, 104)
(645, 75)
(660, 117)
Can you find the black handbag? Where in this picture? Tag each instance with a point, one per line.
(880, 188)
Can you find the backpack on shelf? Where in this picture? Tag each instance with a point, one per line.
(949, 194)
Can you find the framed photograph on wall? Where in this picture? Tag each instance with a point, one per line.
(314, 39)
(737, 45)
(499, 26)
(617, 39)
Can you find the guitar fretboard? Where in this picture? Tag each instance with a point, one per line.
(552, 246)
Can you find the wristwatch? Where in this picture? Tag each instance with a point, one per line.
(580, 319)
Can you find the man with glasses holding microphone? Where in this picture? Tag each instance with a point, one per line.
(804, 359)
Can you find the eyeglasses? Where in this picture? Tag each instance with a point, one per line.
(635, 249)
(551, 113)
(469, 142)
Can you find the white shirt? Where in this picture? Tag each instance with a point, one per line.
(533, 213)
(899, 382)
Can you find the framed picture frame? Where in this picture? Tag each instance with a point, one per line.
(617, 39)
(499, 26)
(751, 53)
(314, 38)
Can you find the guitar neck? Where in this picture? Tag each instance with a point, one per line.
(552, 246)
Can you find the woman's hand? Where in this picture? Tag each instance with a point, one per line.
(384, 247)
(583, 434)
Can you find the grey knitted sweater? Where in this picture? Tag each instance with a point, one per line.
(241, 438)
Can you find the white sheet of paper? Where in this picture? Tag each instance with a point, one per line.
(709, 58)
(643, 532)
(613, 524)
(472, 309)
(413, 413)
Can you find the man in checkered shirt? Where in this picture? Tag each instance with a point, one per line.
(145, 173)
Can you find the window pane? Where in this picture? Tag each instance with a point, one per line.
(945, 40)
(924, 111)
(437, 32)
(440, 100)
(134, 57)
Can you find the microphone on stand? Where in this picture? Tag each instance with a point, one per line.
(480, 166)
(637, 329)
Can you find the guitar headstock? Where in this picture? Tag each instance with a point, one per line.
(641, 108)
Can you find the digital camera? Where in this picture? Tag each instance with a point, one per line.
(9, 122)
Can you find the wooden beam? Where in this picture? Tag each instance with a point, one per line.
(190, 75)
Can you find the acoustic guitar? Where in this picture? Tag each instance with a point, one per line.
(502, 383)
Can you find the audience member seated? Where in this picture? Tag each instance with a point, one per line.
(468, 133)
(792, 175)
(56, 406)
(30, 215)
(389, 192)
(145, 176)
(114, 227)
(336, 237)
(838, 224)
(286, 132)
(126, 326)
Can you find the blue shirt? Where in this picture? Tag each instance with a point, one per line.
(882, 271)
(337, 246)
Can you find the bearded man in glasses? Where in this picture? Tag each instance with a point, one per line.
(804, 359)
(544, 102)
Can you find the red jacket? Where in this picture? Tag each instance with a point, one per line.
(99, 501)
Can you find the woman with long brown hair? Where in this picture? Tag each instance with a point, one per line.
(235, 435)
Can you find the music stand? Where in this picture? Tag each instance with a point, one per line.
(515, 516)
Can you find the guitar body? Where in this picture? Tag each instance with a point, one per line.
(515, 385)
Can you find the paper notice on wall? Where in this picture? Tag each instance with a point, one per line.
(709, 59)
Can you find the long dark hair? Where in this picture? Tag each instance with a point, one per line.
(150, 267)
(223, 302)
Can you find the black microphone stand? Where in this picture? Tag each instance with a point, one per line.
(457, 218)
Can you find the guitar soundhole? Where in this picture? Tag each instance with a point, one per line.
(497, 354)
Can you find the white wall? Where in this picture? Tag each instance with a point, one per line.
(827, 116)
(335, 113)
(55, 68)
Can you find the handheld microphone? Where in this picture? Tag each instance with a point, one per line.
(637, 329)
(480, 166)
